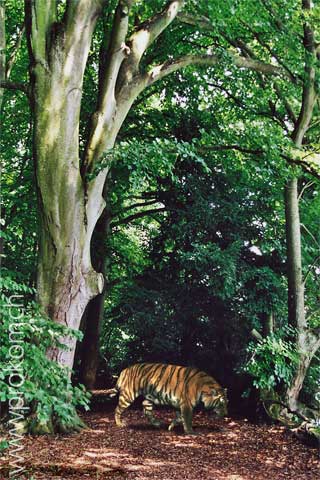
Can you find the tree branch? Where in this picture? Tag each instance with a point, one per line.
(160, 71)
(265, 45)
(309, 94)
(144, 36)
(311, 235)
(15, 86)
(139, 204)
(315, 261)
(135, 216)
(286, 103)
(304, 188)
(40, 16)
(197, 21)
(15, 50)
(150, 30)
(219, 148)
(108, 74)
(296, 161)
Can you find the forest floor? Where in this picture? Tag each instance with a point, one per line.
(224, 449)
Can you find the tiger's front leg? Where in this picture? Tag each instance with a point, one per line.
(148, 412)
(186, 414)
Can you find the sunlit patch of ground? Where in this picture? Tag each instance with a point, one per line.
(223, 450)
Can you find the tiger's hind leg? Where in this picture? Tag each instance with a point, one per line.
(175, 421)
(148, 412)
(123, 403)
(186, 414)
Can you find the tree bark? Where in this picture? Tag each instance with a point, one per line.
(296, 311)
(69, 209)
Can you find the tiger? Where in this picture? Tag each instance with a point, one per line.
(183, 388)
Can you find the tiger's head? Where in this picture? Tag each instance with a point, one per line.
(215, 399)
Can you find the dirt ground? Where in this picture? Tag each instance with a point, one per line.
(225, 449)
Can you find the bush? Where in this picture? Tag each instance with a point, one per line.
(273, 360)
(45, 387)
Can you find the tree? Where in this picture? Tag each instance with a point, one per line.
(308, 340)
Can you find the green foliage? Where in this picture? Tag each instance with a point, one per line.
(273, 360)
(4, 445)
(311, 386)
(195, 285)
(46, 388)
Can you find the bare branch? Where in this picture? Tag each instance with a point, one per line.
(305, 187)
(135, 216)
(286, 103)
(15, 86)
(311, 235)
(314, 263)
(115, 55)
(40, 16)
(13, 56)
(257, 335)
(139, 204)
(271, 51)
(316, 331)
(109, 73)
(291, 160)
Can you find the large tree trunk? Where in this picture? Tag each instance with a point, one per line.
(69, 209)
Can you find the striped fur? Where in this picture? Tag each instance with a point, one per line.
(180, 387)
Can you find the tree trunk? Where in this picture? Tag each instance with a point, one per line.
(68, 208)
(95, 309)
(268, 323)
(307, 342)
(91, 341)
(296, 311)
